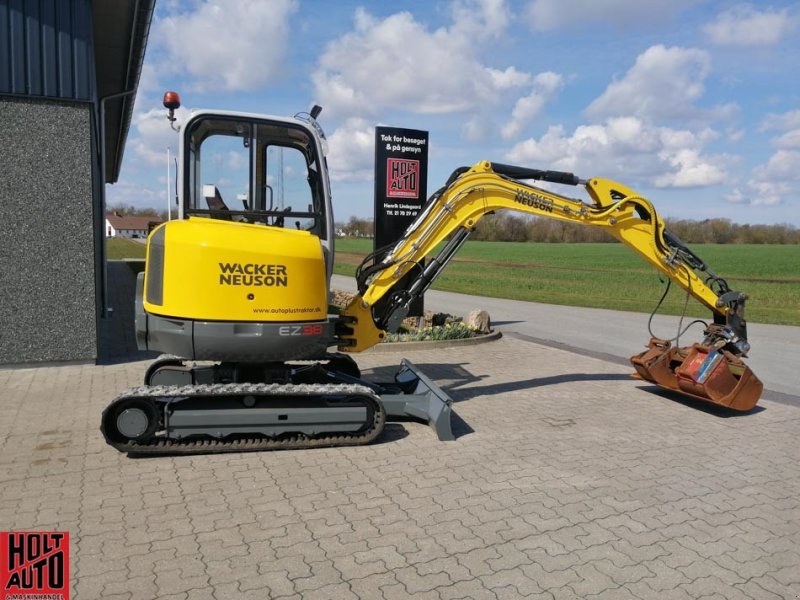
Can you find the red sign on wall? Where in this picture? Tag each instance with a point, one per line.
(34, 564)
(402, 178)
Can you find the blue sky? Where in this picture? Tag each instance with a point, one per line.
(694, 103)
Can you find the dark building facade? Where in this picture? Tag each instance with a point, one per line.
(68, 76)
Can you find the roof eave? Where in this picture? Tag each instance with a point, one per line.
(121, 31)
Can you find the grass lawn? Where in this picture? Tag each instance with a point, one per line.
(610, 275)
(595, 275)
(118, 248)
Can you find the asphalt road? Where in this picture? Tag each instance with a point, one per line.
(616, 335)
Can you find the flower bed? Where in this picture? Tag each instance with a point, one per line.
(451, 331)
(436, 327)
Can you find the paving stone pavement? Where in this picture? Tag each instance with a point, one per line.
(567, 480)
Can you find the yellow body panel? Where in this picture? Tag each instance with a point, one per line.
(215, 270)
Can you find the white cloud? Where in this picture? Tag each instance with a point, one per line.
(398, 63)
(138, 195)
(664, 83)
(691, 170)
(678, 139)
(772, 182)
(746, 26)
(775, 181)
(508, 79)
(154, 134)
(352, 151)
(783, 122)
(789, 140)
(767, 193)
(394, 63)
(545, 87)
(736, 196)
(236, 44)
(784, 165)
(545, 15)
(759, 193)
(479, 19)
(629, 149)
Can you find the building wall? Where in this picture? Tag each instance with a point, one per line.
(47, 49)
(47, 262)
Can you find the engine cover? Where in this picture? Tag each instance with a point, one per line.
(214, 270)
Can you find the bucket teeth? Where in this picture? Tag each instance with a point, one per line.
(701, 372)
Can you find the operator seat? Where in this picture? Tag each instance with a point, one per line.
(215, 202)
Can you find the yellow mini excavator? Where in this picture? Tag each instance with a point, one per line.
(235, 292)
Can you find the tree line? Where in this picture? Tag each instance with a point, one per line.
(511, 228)
(128, 210)
(504, 227)
(356, 227)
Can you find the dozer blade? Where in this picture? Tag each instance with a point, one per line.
(423, 400)
(701, 372)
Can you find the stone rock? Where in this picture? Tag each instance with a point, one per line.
(479, 319)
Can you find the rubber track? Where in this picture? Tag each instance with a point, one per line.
(211, 445)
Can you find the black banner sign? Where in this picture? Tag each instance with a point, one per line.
(401, 184)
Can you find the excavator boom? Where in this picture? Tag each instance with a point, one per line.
(711, 370)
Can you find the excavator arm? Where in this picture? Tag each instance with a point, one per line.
(452, 213)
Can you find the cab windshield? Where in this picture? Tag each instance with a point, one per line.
(254, 171)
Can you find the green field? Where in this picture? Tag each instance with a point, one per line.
(610, 275)
(596, 275)
(117, 248)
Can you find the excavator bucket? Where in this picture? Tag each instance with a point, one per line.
(699, 371)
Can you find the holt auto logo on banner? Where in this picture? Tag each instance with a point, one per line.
(401, 184)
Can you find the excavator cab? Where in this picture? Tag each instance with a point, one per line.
(254, 170)
(250, 256)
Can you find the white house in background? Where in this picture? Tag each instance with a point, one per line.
(129, 226)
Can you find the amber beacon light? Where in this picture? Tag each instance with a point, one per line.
(172, 102)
